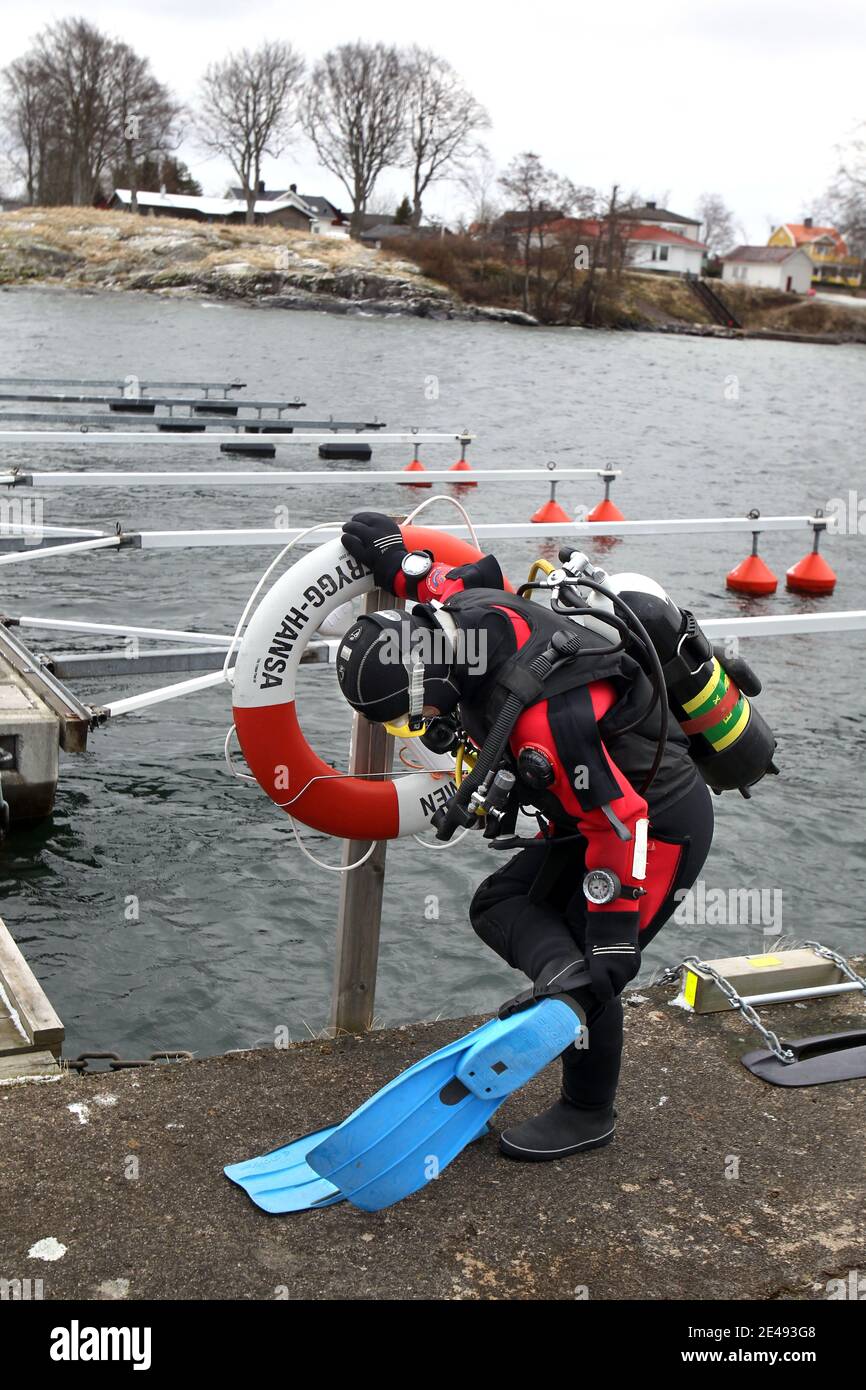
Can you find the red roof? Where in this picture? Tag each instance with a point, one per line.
(633, 231)
(641, 232)
(802, 235)
(583, 226)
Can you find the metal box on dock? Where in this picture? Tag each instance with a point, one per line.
(770, 973)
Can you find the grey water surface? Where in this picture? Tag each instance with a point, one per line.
(234, 935)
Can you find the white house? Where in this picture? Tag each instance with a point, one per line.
(647, 246)
(769, 267)
(653, 247)
(652, 215)
(283, 209)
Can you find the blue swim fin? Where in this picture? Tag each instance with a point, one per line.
(282, 1180)
(408, 1132)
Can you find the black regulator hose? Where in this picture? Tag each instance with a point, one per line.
(447, 818)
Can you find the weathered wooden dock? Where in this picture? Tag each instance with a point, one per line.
(31, 1034)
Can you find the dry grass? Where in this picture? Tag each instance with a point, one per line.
(662, 299)
(120, 242)
(89, 247)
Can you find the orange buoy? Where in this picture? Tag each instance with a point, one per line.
(461, 466)
(606, 511)
(811, 575)
(551, 510)
(752, 576)
(416, 466)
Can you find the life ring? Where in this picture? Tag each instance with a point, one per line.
(265, 712)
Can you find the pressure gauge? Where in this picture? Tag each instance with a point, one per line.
(417, 564)
(601, 886)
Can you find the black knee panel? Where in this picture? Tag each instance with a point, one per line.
(485, 897)
(489, 922)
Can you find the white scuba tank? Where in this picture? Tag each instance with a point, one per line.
(626, 582)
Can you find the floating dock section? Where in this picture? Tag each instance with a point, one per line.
(31, 1034)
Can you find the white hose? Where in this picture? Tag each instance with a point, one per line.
(331, 868)
(444, 497)
(240, 776)
(449, 844)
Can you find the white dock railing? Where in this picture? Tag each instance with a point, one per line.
(277, 477)
(354, 988)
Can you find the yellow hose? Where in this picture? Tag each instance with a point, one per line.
(464, 758)
(537, 567)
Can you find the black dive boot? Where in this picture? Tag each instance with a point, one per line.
(559, 1132)
(583, 1118)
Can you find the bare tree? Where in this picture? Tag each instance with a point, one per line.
(383, 203)
(77, 104)
(479, 179)
(718, 223)
(845, 202)
(616, 215)
(355, 116)
(147, 117)
(541, 197)
(249, 105)
(443, 120)
(26, 118)
(76, 67)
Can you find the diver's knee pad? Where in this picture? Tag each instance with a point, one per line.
(489, 894)
(494, 933)
(499, 919)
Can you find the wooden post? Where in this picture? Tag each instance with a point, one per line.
(360, 914)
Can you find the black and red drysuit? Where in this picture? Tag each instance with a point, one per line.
(532, 912)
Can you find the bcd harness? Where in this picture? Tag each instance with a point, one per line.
(556, 656)
(729, 742)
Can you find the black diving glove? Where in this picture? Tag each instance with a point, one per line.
(612, 952)
(738, 669)
(375, 540)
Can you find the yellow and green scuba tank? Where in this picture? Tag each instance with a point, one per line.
(708, 691)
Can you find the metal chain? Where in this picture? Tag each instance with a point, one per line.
(666, 975)
(837, 960)
(784, 1054)
(115, 1063)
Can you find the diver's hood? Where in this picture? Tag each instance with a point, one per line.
(391, 664)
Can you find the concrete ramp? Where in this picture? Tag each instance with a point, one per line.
(717, 1186)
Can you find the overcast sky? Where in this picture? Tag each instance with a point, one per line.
(747, 98)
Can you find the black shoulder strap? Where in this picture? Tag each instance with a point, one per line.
(578, 744)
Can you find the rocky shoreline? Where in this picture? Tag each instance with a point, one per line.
(83, 249)
(88, 250)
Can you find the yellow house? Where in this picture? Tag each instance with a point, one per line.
(832, 263)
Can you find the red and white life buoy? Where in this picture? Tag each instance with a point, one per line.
(266, 717)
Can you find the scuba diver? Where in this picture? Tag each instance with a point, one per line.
(611, 716)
